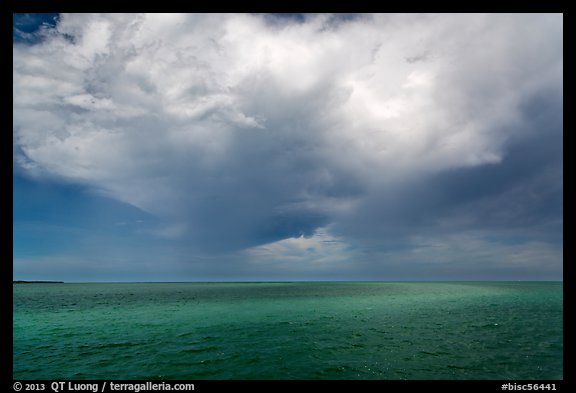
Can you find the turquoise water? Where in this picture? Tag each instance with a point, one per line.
(491, 330)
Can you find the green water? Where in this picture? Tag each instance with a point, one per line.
(496, 330)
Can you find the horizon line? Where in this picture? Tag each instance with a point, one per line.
(264, 281)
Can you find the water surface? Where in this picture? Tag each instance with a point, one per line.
(350, 330)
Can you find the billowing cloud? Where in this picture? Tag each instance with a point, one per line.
(250, 131)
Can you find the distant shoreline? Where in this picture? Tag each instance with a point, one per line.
(37, 282)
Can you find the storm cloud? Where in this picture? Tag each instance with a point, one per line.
(331, 145)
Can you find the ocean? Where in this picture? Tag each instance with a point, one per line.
(289, 330)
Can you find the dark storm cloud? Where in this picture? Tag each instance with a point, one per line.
(522, 192)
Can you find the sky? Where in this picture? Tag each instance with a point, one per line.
(247, 147)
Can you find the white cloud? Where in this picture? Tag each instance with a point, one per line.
(225, 124)
(308, 253)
